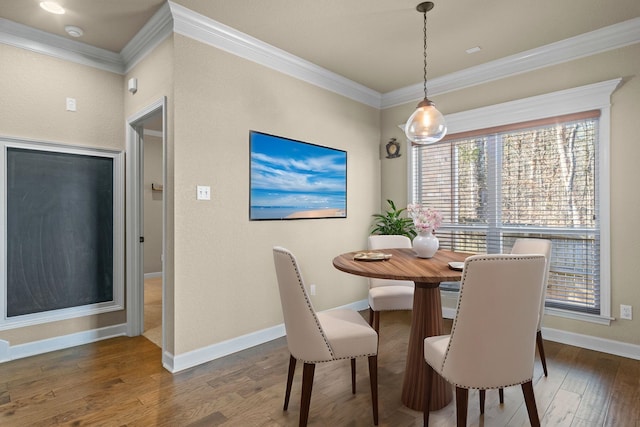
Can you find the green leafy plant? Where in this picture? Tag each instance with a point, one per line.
(392, 222)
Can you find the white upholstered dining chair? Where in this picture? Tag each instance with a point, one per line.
(385, 294)
(537, 246)
(316, 337)
(492, 340)
(531, 246)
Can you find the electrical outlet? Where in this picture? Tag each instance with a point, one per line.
(626, 312)
(312, 289)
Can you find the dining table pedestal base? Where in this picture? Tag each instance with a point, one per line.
(426, 321)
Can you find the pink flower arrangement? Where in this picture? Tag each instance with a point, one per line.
(424, 219)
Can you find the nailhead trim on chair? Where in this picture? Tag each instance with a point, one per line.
(337, 358)
(293, 261)
(486, 388)
(301, 283)
(464, 274)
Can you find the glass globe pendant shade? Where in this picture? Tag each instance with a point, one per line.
(426, 125)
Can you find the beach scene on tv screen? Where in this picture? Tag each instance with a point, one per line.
(294, 180)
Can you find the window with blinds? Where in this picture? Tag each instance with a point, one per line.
(535, 179)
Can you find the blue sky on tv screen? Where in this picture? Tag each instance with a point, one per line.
(290, 176)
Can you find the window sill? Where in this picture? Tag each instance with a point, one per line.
(591, 318)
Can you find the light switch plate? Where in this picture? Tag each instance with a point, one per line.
(71, 104)
(203, 192)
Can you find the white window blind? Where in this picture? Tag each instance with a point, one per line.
(533, 179)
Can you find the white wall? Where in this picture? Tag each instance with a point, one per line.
(225, 283)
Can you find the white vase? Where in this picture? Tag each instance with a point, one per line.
(425, 244)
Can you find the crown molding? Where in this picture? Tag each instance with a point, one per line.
(38, 41)
(206, 30)
(158, 28)
(607, 38)
(172, 17)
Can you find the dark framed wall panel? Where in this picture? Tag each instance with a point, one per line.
(63, 232)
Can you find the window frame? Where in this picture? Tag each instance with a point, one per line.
(590, 97)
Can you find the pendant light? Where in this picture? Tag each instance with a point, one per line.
(426, 125)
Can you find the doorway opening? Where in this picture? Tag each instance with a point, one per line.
(152, 200)
(146, 222)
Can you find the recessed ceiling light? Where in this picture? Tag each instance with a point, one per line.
(73, 31)
(52, 7)
(473, 49)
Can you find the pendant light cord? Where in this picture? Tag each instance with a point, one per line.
(424, 32)
(426, 125)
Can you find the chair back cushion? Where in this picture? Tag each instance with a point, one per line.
(388, 241)
(536, 246)
(493, 335)
(305, 337)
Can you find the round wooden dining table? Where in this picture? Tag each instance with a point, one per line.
(426, 319)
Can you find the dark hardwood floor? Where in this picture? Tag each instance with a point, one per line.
(121, 382)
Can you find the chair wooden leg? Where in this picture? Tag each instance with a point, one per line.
(292, 370)
(371, 312)
(530, 401)
(482, 395)
(307, 386)
(353, 376)
(462, 402)
(541, 351)
(428, 379)
(373, 379)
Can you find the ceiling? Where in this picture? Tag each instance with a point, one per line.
(377, 43)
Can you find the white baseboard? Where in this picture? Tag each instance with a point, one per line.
(212, 352)
(153, 275)
(357, 306)
(448, 313)
(604, 345)
(206, 354)
(4, 351)
(19, 351)
(169, 361)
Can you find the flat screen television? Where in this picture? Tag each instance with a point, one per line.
(295, 180)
